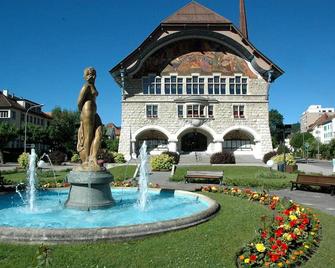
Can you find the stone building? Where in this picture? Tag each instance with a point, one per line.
(14, 109)
(196, 83)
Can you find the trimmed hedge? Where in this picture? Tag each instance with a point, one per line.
(222, 158)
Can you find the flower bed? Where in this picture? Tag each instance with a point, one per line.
(290, 239)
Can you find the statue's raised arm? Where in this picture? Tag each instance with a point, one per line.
(90, 131)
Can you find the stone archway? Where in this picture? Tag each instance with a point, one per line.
(154, 138)
(194, 139)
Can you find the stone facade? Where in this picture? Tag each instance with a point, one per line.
(232, 117)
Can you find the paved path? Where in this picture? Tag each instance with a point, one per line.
(322, 201)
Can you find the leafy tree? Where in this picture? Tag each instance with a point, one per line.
(37, 134)
(276, 126)
(295, 128)
(63, 130)
(112, 145)
(298, 139)
(8, 132)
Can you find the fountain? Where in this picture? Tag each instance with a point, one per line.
(125, 214)
(31, 193)
(143, 200)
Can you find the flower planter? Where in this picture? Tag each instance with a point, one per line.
(291, 169)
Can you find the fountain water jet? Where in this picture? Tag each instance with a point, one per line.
(31, 193)
(142, 201)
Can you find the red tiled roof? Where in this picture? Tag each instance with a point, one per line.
(321, 120)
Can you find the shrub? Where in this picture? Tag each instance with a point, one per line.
(112, 145)
(118, 157)
(162, 161)
(289, 159)
(57, 157)
(268, 156)
(222, 158)
(75, 158)
(105, 156)
(174, 155)
(23, 160)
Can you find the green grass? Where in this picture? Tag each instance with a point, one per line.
(243, 176)
(123, 172)
(43, 176)
(212, 244)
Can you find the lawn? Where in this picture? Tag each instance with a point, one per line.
(243, 176)
(43, 176)
(212, 244)
(123, 172)
(119, 173)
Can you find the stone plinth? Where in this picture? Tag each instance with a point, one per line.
(89, 190)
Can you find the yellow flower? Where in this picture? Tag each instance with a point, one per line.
(260, 247)
(297, 231)
(293, 217)
(287, 227)
(287, 237)
(312, 233)
(247, 260)
(280, 264)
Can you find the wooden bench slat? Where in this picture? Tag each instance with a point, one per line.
(209, 175)
(315, 180)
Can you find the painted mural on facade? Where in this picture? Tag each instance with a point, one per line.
(207, 63)
(196, 56)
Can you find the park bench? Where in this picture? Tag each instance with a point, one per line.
(215, 176)
(315, 180)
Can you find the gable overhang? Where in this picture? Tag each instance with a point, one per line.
(225, 34)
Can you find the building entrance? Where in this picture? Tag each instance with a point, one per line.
(194, 141)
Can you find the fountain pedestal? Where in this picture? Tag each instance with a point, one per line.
(89, 190)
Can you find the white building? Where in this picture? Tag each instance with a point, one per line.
(196, 84)
(312, 113)
(323, 129)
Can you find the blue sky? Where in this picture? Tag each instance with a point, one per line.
(45, 45)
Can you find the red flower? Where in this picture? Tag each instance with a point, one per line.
(293, 223)
(286, 212)
(284, 246)
(302, 227)
(253, 258)
(278, 242)
(294, 236)
(279, 232)
(274, 247)
(305, 221)
(264, 234)
(274, 257)
(272, 239)
(279, 218)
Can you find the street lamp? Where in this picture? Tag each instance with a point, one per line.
(25, 124)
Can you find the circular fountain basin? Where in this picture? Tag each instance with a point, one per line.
(50, 222)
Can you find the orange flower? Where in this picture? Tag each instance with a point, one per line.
(241, 257)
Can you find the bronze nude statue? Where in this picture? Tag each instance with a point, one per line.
(90, 130)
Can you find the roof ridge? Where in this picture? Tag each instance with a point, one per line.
(179, 15)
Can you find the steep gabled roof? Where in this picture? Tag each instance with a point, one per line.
(193, 12)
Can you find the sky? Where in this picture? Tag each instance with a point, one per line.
(46, 44)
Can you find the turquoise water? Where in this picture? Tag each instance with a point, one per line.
(50, 212)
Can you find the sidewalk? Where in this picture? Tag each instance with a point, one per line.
(322, 201)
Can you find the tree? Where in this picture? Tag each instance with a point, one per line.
(276, 126)
(298, 139)
(8, 132)
(63, 130)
